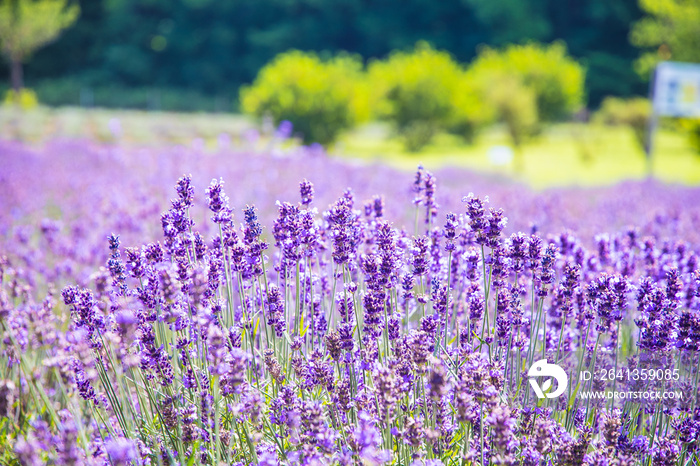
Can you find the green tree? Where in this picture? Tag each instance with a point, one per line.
(515, 105)
(526, 84)
(26, 25)
(471, 111)
(122, 47)
(669, 31)
(415, 92)
(513, 20)
(556, 79)
(633, 113)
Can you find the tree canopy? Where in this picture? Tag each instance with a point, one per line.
(669, 31)
(26, 25)
(214, 47)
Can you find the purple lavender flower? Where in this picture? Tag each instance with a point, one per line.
(546, 275)
(368, 441)
(517, 251)
(656, 323)
(284, 130)
(450, 233)
(503, 425)
(431, 207)
(417, 187)
(189, 328)
(306, 189)
(287, 234)
(420, 255)
(373, 303)
(342, 222)
(27, 451)
(275, 310)
(218, 202)
(115, 265)
(185, 191)
(121, 451)
(608, 297)
(378, 206)
(476, 213)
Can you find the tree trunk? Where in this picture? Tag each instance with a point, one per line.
(16, 68)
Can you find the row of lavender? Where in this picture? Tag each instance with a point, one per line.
(332, 334)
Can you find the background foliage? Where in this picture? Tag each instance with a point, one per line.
(26, 26)
(555, 79)
(634, 113)
(211, 48)
(415, 92)
(320, 98)
(669, 31)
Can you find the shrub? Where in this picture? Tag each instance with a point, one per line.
(506, 98)
(415, 91)
(470, 111)
(24, 99)
(321, 98)
(556, 79)
(516, 106)
(633, 113)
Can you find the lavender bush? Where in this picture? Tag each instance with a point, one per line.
(281, 317)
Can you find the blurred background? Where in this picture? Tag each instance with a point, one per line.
(552, 92)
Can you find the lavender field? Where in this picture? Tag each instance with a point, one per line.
(256, 304)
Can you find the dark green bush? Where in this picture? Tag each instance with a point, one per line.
(71, 92)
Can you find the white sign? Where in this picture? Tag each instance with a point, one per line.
(677, 89)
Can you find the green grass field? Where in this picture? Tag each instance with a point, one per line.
(563, 155)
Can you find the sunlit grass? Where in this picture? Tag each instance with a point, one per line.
(564, 155)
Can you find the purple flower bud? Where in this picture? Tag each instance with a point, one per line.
(185, 191)
(306, 189)
(218, 202)
(450, 231)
